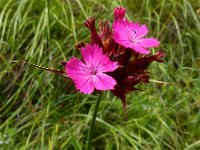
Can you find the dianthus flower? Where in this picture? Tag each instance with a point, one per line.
(132, 35)
(124, 43)
(90, 73)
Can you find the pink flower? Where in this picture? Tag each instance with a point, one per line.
(131, 35)
(89, 74)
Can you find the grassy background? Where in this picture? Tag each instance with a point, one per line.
(39, 110)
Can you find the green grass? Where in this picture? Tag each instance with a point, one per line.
(40, 110)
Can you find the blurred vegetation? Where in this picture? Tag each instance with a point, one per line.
(41, 110)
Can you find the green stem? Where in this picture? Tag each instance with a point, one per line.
(88, 144)
(48, 26)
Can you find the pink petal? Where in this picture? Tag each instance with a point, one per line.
(76, 68)
(149, 42)
(92, 54)
(107, 66)
(122, 40)
(122, 35)
(139, 49)
(94, 58)
(103, 82)
(121, 31)
(84, 84)
(79, 73)
(142, 31)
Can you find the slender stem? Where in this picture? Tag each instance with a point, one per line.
(48, 26)
(88, 144)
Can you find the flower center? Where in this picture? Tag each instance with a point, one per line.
(93, 71)
(134, 31)
(132, 36)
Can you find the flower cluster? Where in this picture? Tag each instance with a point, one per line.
(115, 59)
